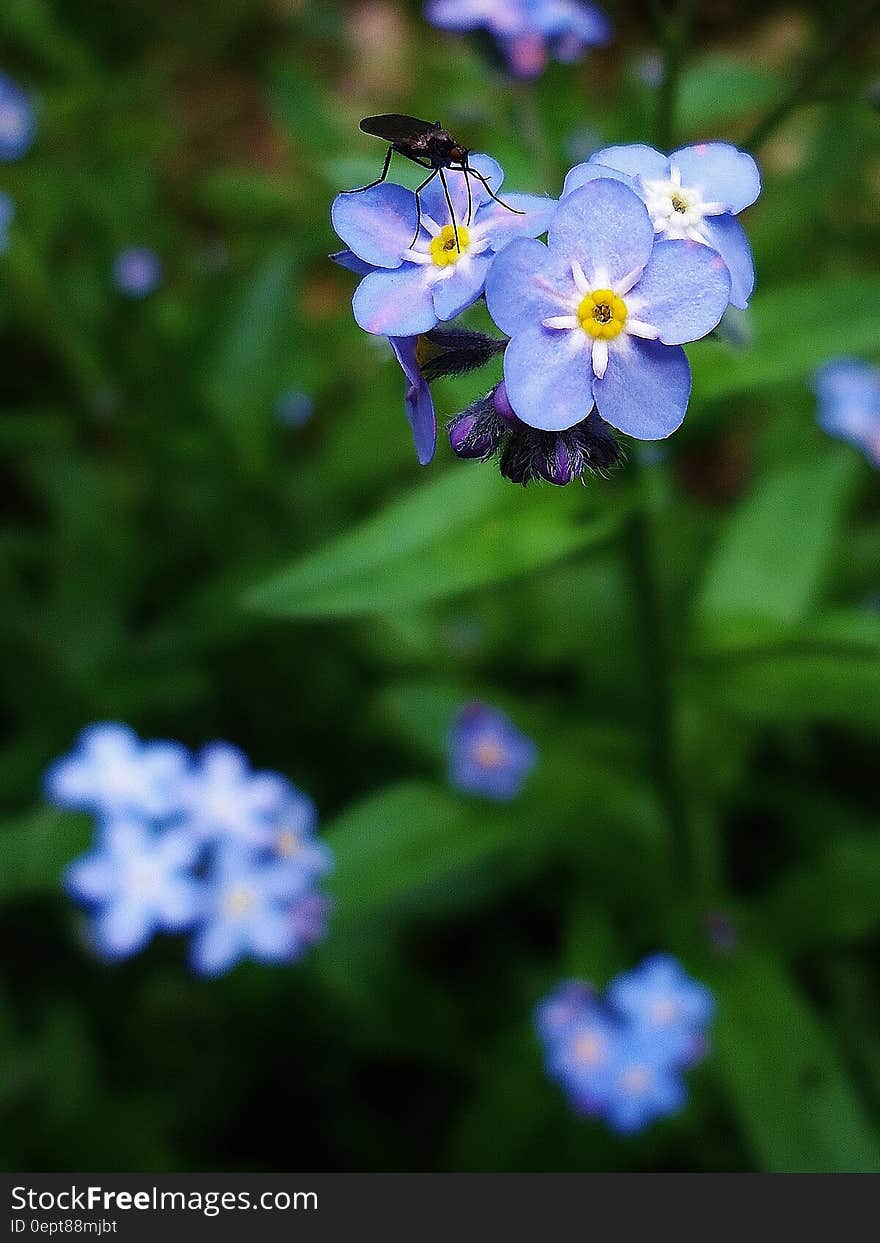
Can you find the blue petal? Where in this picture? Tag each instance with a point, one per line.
(348, 259)
(645, 390)
(395, 304)
(180, 903)
(592, 171)
(418, 400)
(271, 935)
(500, 226)
(605, 226)
(123, 928)
(92, 878)
(728, 237)
(454, 294)
(683, 291)
(216, 947)
(636, 159)
(548, 375)
(377, 224)
(526, 284)
(722, 173)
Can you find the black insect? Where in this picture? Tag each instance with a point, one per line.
(431, 146)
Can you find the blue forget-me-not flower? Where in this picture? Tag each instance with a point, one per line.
(137, 271)
(622, 1056)
(208, 846)
(137, 881)
(599, 315)
(18, 122)
(695, 194)
(848, 403)
(430, 269)
(527, 32)
(250, 905)
(110, 772)
(488, 755)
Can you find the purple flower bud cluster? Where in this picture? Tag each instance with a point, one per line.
(197, 844)
(643, 255)
(621, 1057)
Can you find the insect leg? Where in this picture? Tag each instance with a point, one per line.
(467, 182)
(451, 208)
(426, 182)
(378, 180)
(492, 194)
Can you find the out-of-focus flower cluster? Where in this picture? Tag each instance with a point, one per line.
(644, 254)
(622, 1057)
(488, 755)
(198, 844)
(848, 400)
(527, 32)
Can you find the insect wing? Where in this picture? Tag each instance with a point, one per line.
(394, 127)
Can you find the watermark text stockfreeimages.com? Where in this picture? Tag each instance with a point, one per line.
(209, 1203)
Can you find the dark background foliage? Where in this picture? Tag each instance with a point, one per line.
(694, 645)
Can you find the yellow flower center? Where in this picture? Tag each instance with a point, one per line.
(238, 902)
(602, 314)
(444, 248)
(488, 753)
(680, 204)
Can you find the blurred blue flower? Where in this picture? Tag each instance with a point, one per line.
(18, 122)
(848, 399)
(432, 271)
(659, 1001)
(294, 408)
(600, 313)
(641, 1085)
(528, 32)
(488, 755)
(693, 194)
(250, 912)
(582, 1057)
(621, 1056)
(111, 772)
(138, 882)
(7, 212)
(225, 800)
(137, 271)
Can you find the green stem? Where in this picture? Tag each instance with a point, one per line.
(813, 70)
(658, 660)
(673, 32)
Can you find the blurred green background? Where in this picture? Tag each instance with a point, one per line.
(694, 645)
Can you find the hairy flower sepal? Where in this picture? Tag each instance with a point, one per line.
(431, 266)
(455, 351)
(598, 316)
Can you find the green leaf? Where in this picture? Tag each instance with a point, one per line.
(247, 356)
(796, 327)
(396, 842)
(773, 554)
(462, 531)
(785, 686)
(715, 89)
(794, 1102)
(35, 851)
(832, 899)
